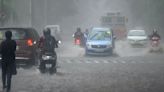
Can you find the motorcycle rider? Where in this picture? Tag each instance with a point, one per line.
(155, 41)
(78, 34)
(155, 34)
(48, 43)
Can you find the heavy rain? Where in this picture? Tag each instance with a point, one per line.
(93, 46)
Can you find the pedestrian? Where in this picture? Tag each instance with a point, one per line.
(7, 50)
(85, 36)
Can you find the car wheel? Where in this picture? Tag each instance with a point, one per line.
(111, 52)
(53, 70)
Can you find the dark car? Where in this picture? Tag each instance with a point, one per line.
(26, 39)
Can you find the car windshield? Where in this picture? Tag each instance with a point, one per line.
(100, 35)
(17, 34)
(136, 33)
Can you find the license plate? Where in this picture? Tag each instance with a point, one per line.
(48, 65)
(99, 50)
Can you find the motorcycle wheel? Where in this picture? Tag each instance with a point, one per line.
(53, 71)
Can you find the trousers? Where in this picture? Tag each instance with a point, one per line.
(6, 76)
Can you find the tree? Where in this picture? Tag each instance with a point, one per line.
(5, 11)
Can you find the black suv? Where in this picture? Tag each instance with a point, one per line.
(26, 38)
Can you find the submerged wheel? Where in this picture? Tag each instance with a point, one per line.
(53, 70)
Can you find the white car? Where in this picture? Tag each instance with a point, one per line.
(137, 37)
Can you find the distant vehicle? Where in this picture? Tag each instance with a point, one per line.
(26, 39)
(155, 44)
(55, 31)
(79, 38)
(137, 37)
(100, 41)
(77, 41)
(117, 22)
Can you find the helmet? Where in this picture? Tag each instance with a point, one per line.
(154, 31)
(79, 29)
(47, 31)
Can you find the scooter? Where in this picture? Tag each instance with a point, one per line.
(77, 41)
(155, 44)
(48, 62)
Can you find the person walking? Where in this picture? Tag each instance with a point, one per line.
(7, 50)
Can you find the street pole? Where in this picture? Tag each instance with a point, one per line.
(30, 20)
(45, 12)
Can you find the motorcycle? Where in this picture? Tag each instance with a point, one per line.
(77, 41)
(48, 62)
(155, 44)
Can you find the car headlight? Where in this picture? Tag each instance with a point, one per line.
(34, 42)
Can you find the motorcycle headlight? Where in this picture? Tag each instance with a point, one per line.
(44, 57)
(48, 57)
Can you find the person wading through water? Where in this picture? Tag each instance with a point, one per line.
(7, 50)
